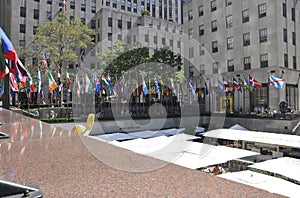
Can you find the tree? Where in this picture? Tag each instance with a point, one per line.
(61, 39)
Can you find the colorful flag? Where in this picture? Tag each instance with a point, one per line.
(8, 49)
(254, 83)
(13, 82)
(192, 88)
(275, 82)
(52, 83)
(247, 84)
(157, 90)
(230, 85)
(145, 89)
(206, 88)
(111, 88)
(3, 68)
(31, 85)
(68, 82)
(88, 85)
(97, 85)
(225, 85)
(39, 81)
(103, 79)
(241, 84)
(235, 84)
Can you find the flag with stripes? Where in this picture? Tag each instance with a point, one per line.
(275, 82)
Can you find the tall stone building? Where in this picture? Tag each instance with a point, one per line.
(234, 39)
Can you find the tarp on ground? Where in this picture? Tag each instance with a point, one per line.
(286, 166)
(265, 182)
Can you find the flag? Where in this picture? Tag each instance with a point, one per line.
(241, 84)
(192, 88)
(88, 85)
(52, 83)
(254, 83)
(13, 83)
(78, 86)
(3, 68)
(97, 85)
(8, 49)
(225, 85)
(103, 79)
(65, 5)
(221, 87)
(247, 84)
(45, 63)
(39, 81)
(31, 85)
(235, 84)
(157, 90)
(211, 86)
(206, 89)
(68, 81)
(2, 88)
(230, 85)
(145, 89)
(81, 60)
(275, 82)
(111, 88)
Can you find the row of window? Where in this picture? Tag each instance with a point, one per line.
(71, 5)
(247, 64)
(262, 11)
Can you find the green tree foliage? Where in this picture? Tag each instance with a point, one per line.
(61, 39)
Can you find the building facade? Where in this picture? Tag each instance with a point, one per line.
(234, 39)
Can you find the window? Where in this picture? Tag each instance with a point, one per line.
(202, 69)
(22, 28)
(200, 10)
(191, 32)
(245, 16)
(72, 5)
(93, 9)
(191, 52)
(201, 50)
(293, 14)
(262, 10)
(109, 22)
(294, 62)
(119, 24)
(93, 24)
(215, 68)
(119, 37)
(107, 3)
(214, 26)
(114, 3)
(83, 7)
(293, 38)
(60, 3)
(22, 43)
(171, 42)
(229, 21)
(286, 60)
(146, 38)
(34, 28)
(247, 63)
(163, 41)
(263, 35)
(49, 15)
(22, 12)
(230, 65)
(283, 9)
(128, 25)
(155, 39)
(109, 35)
(49, 2)
(263, 60)
(37, 0)
(230, 43)
(246, 39)
(201, 30)
(129, 6)
(36, 14)
(284, 35)
(228, 2)
(190, 15)
(178, 44)
(214, 46)
(213, 5)
(123, 4)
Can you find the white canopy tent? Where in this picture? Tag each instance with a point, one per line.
(255, 136)
(285, 166)
(265, 182)
(238, 127)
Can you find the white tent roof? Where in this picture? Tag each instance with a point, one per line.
(254, 136)
(265, 182)
(179, 150)
(238, 127)
(285, 166)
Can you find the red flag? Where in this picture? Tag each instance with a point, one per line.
(8, 49)
(254, 82)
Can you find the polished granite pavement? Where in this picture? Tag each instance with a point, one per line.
(64, 164)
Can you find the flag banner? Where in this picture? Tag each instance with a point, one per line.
(13, 83)
(78, 86)
(3, 68)
(88, 85)
(8, 49)
(241, 84)
(39, 81)
(235, 84)
(156, 86)
(275, 82)
(221, 87)
(247, 84)
(254, 83)
(52, 83)
(68, 82)
(230, 85)
(145, 89)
